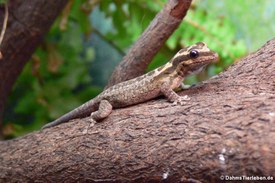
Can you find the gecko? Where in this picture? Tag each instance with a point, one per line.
(160, 81)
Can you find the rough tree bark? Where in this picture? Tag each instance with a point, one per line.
(28, 23)
(227, 128)
(151, 40)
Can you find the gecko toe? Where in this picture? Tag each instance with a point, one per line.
(181, 100)
(92, 123)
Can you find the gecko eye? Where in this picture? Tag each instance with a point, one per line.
(193, 54)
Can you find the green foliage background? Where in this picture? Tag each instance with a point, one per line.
(90, 37)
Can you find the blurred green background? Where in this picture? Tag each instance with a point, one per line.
(90, 37)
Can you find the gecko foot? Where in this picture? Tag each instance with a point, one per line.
(181, 100)
(92, 122)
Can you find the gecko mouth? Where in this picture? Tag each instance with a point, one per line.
(214, 57)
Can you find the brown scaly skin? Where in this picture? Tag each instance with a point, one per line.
(161, 81)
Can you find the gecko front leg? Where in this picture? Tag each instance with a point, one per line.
(173, 96)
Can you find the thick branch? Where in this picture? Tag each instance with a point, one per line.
(227, 128)
(28, 22)
(151, 40)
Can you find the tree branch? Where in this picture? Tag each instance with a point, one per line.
(151, 40)
(227, 128)
(28, 23)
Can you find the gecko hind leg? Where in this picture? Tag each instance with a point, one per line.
(104, 110)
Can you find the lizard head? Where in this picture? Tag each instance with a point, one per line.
(193, 59)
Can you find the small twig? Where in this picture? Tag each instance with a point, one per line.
(65, 14)
(109, 41)
(4, 26)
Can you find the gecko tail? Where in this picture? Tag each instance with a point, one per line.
(82, 111)
(76, 113)
(54, 123)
